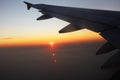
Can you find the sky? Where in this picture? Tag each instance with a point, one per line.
(18, 26)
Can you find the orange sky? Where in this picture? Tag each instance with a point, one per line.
(77, 36)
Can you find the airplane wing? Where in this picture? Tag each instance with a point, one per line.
(105, 22)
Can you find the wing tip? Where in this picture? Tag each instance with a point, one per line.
(29, 5)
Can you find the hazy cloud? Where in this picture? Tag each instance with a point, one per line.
(8, 38)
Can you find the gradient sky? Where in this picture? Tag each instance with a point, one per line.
(19, 26)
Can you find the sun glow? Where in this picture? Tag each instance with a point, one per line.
(51, 43)
(78, 36)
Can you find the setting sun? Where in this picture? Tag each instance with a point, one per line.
(51, 43)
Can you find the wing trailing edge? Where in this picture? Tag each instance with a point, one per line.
(112, 36)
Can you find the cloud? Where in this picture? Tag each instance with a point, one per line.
(7, 38)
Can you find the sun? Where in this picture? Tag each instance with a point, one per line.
(51, 43)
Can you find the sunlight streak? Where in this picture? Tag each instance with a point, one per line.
(52, 50)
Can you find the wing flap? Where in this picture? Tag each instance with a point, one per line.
(107, 47)
(44, 17)
(112, 36)
(69, 28)
(113, 62)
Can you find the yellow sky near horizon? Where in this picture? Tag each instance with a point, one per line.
(77, 36)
